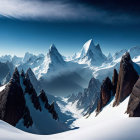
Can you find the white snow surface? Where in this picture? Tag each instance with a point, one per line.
(110, 124)
(2, 88)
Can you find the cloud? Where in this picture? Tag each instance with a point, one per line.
(44, 10)
(77, 10)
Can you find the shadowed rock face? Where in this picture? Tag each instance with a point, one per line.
(126, 80)
(114, 81)
(133, 108)
(105, 94)
(49, 107)
(31, 91)
(12, 103)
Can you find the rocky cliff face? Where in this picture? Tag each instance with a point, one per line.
(12, 103)
(126, 80)
(87, 100)
(114, 81)
(90, 96)
(105, 94)
(133, 108)
(51, 107)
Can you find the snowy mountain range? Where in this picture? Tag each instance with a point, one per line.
(100, 89)
(53, 70)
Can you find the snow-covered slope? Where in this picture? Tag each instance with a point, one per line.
(97, 128)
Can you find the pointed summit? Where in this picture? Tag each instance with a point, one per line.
(54, 55)
(15, 76)
(31, 76)
(52, 46)
(91, 54)
(53, 49)
(88, 45)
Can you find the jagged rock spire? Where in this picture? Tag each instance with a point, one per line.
(44, 98)
(12, 102)
(126, 79)
(22, 73)
(105, 94)
(52, 111)
(15, 76)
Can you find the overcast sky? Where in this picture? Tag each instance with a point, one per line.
(32, 25)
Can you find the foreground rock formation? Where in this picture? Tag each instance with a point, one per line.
(19, 105)
(12, 103)
(105, 94)
(134, 102)
(126, 80)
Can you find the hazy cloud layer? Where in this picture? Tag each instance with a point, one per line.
(104, 11)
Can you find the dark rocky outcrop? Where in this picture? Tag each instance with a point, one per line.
(12, 103)
(114, 81)
(126, 79)
(29, 89)
(52, 111)
(44, 99)
(133, 108)
(33, 80)
(27, 118)
(105, 94)
(50, 108)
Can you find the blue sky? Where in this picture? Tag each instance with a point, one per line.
(33, 27)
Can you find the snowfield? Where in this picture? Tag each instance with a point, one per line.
(120, 129)
(110, 124)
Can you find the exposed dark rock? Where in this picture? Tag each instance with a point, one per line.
(105, 94)
(50, 108)
(43, 96)
(114, 81)
(52, 111)
(126, 80)
(133, 108)
(12, 102)
(27, 118)
(44, 99)
(31, 91)
(33, 80)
